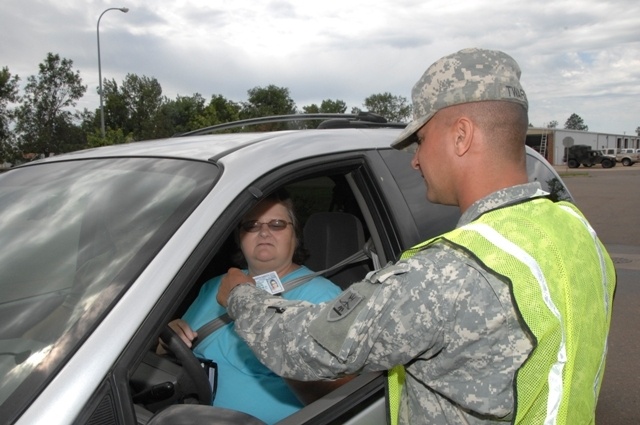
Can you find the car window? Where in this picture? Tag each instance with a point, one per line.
(328, 192)
(431, 219)
(75, 235)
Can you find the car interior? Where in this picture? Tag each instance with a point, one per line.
(339, 246)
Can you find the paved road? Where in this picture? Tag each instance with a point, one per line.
(610, 199)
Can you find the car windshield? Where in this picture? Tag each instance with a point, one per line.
(75, 235)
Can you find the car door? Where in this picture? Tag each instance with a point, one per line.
(352, 172)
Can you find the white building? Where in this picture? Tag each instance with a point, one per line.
(552, 142)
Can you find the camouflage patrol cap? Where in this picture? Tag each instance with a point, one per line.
(470, 75)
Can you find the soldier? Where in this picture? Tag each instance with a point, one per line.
(484, 324)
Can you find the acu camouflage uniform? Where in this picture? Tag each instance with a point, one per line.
(450, 321)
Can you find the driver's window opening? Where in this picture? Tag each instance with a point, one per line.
(332, 229)
(332, 226)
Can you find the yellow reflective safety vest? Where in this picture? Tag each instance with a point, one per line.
(562, 281)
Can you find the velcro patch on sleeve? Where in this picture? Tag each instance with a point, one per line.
(344, 305)
(331, 328)
(382, 275)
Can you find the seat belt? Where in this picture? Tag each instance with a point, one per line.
(213, 325)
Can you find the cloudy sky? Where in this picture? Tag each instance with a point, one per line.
(578, 56)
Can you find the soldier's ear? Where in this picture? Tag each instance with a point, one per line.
(463, 130)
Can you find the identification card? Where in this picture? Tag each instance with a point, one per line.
(270, 282)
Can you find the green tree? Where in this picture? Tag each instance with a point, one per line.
(223, 110)
(132, 110)
(268, 101)
(116, 112)
(638, 131)
(179, 115)
(219, 111)
(557, 191)
(8, 96)
(552, 124)
(44, 123)
(575, 122)
(90, 125)
(111, 137)
(393, 108)
(327, 106)
(143, 99)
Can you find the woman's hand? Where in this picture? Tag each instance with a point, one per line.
(184, 331)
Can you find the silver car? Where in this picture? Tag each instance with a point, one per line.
(102, 248)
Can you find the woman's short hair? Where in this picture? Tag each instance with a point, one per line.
(280, 196)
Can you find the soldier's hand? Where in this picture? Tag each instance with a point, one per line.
(233, 278)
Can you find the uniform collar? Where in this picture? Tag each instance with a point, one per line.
(501, 198)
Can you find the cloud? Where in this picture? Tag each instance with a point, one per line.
(576, 56)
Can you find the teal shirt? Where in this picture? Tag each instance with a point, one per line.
(244, 383)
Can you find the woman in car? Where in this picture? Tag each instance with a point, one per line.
(269, 241)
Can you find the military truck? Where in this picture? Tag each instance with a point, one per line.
(585, 155)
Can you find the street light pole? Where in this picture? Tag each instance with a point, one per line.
(123, 10)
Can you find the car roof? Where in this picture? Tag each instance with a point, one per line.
(215, 146)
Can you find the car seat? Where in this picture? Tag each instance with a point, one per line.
(331, 237)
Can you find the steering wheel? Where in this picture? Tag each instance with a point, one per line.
(190, 363)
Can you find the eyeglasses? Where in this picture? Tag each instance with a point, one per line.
(253, 226)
